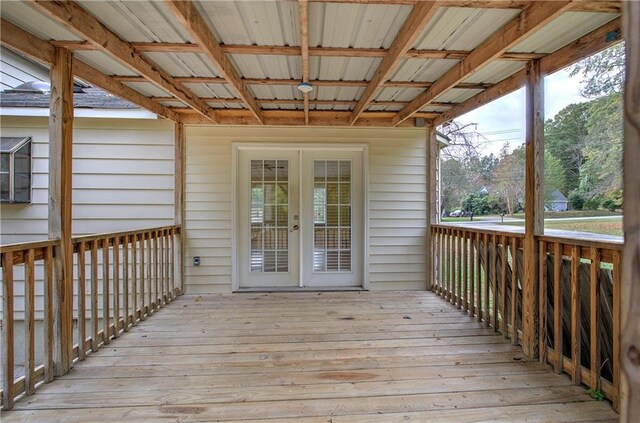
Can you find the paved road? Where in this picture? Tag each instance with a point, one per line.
(482, 219)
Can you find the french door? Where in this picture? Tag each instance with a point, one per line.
(299, 218)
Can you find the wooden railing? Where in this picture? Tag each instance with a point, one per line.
(120, 279)
(578, 308)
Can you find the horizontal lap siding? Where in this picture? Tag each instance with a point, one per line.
(397, 205)
(397, 210)
(122, 180)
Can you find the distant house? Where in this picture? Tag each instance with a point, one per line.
(557, 202)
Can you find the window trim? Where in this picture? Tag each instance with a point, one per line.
(12, 153)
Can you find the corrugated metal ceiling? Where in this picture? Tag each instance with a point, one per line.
(355, 25)
(561, 31)
(454, 28)
(276, 23)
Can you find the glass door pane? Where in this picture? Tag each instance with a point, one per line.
(332, 216)
(269, 216)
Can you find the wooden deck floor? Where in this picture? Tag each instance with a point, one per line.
(329, 357)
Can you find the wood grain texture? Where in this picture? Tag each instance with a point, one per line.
(73, 17)
(534, 204)
(303, 16)
(48, 315)
(630, 283)
(81, 295)
(60, 204)
(420, 15)
(29, 324)
(533, 17)
(589, 44)
(276, 50)
(576, 320)
(39, 50)
(194, 23)
(332, 368)
(8, 339)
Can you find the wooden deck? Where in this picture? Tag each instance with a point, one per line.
(312, 357)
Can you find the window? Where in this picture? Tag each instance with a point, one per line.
(15, 170)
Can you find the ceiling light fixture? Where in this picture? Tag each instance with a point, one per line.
(305, 87)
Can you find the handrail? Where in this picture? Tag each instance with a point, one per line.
(137, 278)
(480, 270)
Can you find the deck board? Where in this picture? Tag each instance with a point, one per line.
(310, 357)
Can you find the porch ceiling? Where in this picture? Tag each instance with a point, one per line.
(383, 50)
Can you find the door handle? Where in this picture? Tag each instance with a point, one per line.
(295, 228)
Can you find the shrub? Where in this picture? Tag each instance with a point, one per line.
(592, 203)
(576, 200)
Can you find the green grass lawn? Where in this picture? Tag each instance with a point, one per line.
(600, 226)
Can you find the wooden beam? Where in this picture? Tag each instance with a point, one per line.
(79, 21)
(98, 79)
(432, 156)
(296, 118)
(533, 17)
(179, 201)
(266, 50)
(39, 50)
(316, 83)
(582, 6)
(534, 205)
(587, 45)
(303, 10)
(630, 287)
(413, 26)
(334, 103)
(325, 114)
(60, 203)
(191, 20)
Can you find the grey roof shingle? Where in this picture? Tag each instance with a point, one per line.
(91, 98)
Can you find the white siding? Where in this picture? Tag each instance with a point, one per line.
(122, 177)
(122, 180)
(397, 200)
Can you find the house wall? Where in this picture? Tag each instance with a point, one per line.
(397, 200)
(122, 180)
(123, 174)
(122, 177)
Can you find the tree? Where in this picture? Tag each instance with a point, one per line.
(565, 137)
(603, 72)
(509, 177)
(463, 168)
(601, 171)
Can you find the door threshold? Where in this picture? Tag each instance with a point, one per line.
(303, 289)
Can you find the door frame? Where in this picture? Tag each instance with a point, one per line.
(236, 146)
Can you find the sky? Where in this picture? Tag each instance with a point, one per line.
(503, 119)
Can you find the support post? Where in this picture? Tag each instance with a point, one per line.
(432, 201)
(60, 203)
(630, 286)
(179, 202)
(534, 204)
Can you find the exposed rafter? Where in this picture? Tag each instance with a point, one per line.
(317, 83)
(296, 118)
(533, 17)
(303, 10)
(348, 103)
(79, 21)
(296, 51)
(582, 6)
(190, 18)
(587, 45)
(39, 50)
(413, 26)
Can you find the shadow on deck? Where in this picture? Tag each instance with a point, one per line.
(317, 357)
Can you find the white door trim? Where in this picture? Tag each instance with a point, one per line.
(236, 146)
